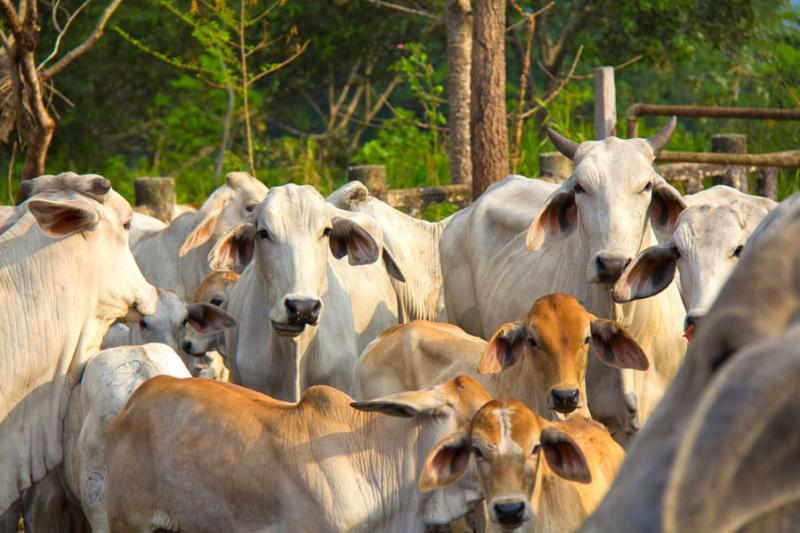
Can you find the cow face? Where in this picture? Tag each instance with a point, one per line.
(200, 332)
(68, 204)
(225, 208)
(510, 444)
(292, 232)
(549, 347)
(441, 409)
(705, 246)
(612, 195)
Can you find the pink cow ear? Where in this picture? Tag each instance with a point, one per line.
(446, 463)
(505, 349)
(207, 318)
(557, 219)
(63, 218)
(649, 274)
(350, 239)
(564, 457)
(615, 347)
(235, 249)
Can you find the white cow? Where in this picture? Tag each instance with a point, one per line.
(581, 236)
(170, 325)
(303, 313)
(176, 257)
(414, 244)
(66, 274)
(705, 245)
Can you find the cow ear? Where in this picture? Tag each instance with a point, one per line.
(446, 463)
(564, 457)
(205, 220)
(208, 318)
(391, 266)
(506, 348)
(615, 347)
(350, 239)
(557, 219)
(649, 274)
(63, 218)
(404, 404)
(234, 250)
(666, 205)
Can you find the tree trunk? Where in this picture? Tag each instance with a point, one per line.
(488, 121)
(458, 16)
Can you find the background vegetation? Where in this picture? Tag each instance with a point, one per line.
(370, 87)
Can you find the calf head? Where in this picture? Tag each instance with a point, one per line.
(549, 347)
(705, 245)
(201, 331)
(291, 234)
(514, 448)
(225, 208)
(69, 204)
(611, 196)
(440, 410)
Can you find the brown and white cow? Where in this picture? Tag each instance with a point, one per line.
(540, 359)
(200, 455)
(535, 475)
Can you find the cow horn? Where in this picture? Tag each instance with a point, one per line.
(100, 186)
(562, 144)
(25, 190)
(661, 139)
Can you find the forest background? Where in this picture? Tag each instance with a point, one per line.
(332, 83)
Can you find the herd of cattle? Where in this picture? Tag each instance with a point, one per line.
(531, 363)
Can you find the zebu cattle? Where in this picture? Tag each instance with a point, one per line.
(414, 244)
(735, 395)
(539, 359)
(177, 256)
(535, 475)
(581, 237)
(303, 313)
(704, 245)
(199, 455)
(66, 274)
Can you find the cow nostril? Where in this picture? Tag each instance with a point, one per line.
(291, 306)
(565, 400)
(317, 306)
(187, 346)
(509, 512)
(610, 268)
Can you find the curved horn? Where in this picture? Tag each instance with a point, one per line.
(661, 139)
(99, 186)
(25, 190)
(562, 144)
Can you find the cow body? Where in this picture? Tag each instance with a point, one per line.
(66, 274)
(414, 244)
(303, 315)
(192, 455)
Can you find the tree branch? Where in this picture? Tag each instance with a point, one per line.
(278, 66)
(550, 97)
(408, 10)
(11, 16)
(84, 47)
(61, 33)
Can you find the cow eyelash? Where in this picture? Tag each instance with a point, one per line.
(250, 208)
(738, 251)
(578, 189)
(648, 187)
(262, 234)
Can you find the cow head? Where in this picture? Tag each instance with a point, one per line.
(514, 449)
(291, 234)
(225, 208)
(549, 347)
(70, 204)
(441, 410)
(705, 245)
(612, 194)
(200, 334)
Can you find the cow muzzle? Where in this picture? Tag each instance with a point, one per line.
(299, 312)
(564, 400)
(509, 513)
(608, 268)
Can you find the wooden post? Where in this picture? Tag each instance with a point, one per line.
(768, 182)
(156, 196)
(372, 176)
(605, 103)
(731, 143)
(554, 166)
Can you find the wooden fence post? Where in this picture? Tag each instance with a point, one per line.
(731, 143)
(768, 182)
(605, 103)
(554, 166)
(372, 176)
(156, 196)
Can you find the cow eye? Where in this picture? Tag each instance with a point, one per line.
(738, 251)
(477, 451)
(327, 232)
(648, 187)
(127, 226)
(185, 321)
(587, 339)
(250, 208)
(262, 234)
(143, 324)
(578, 189)
(536, 449)
(531, 342)
(216, 301)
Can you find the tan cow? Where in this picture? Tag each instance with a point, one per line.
(199, 455)
(540, 359)
(535, 475)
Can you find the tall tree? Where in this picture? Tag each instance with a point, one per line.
(458, 19)
(488, 117)
(29, 89)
